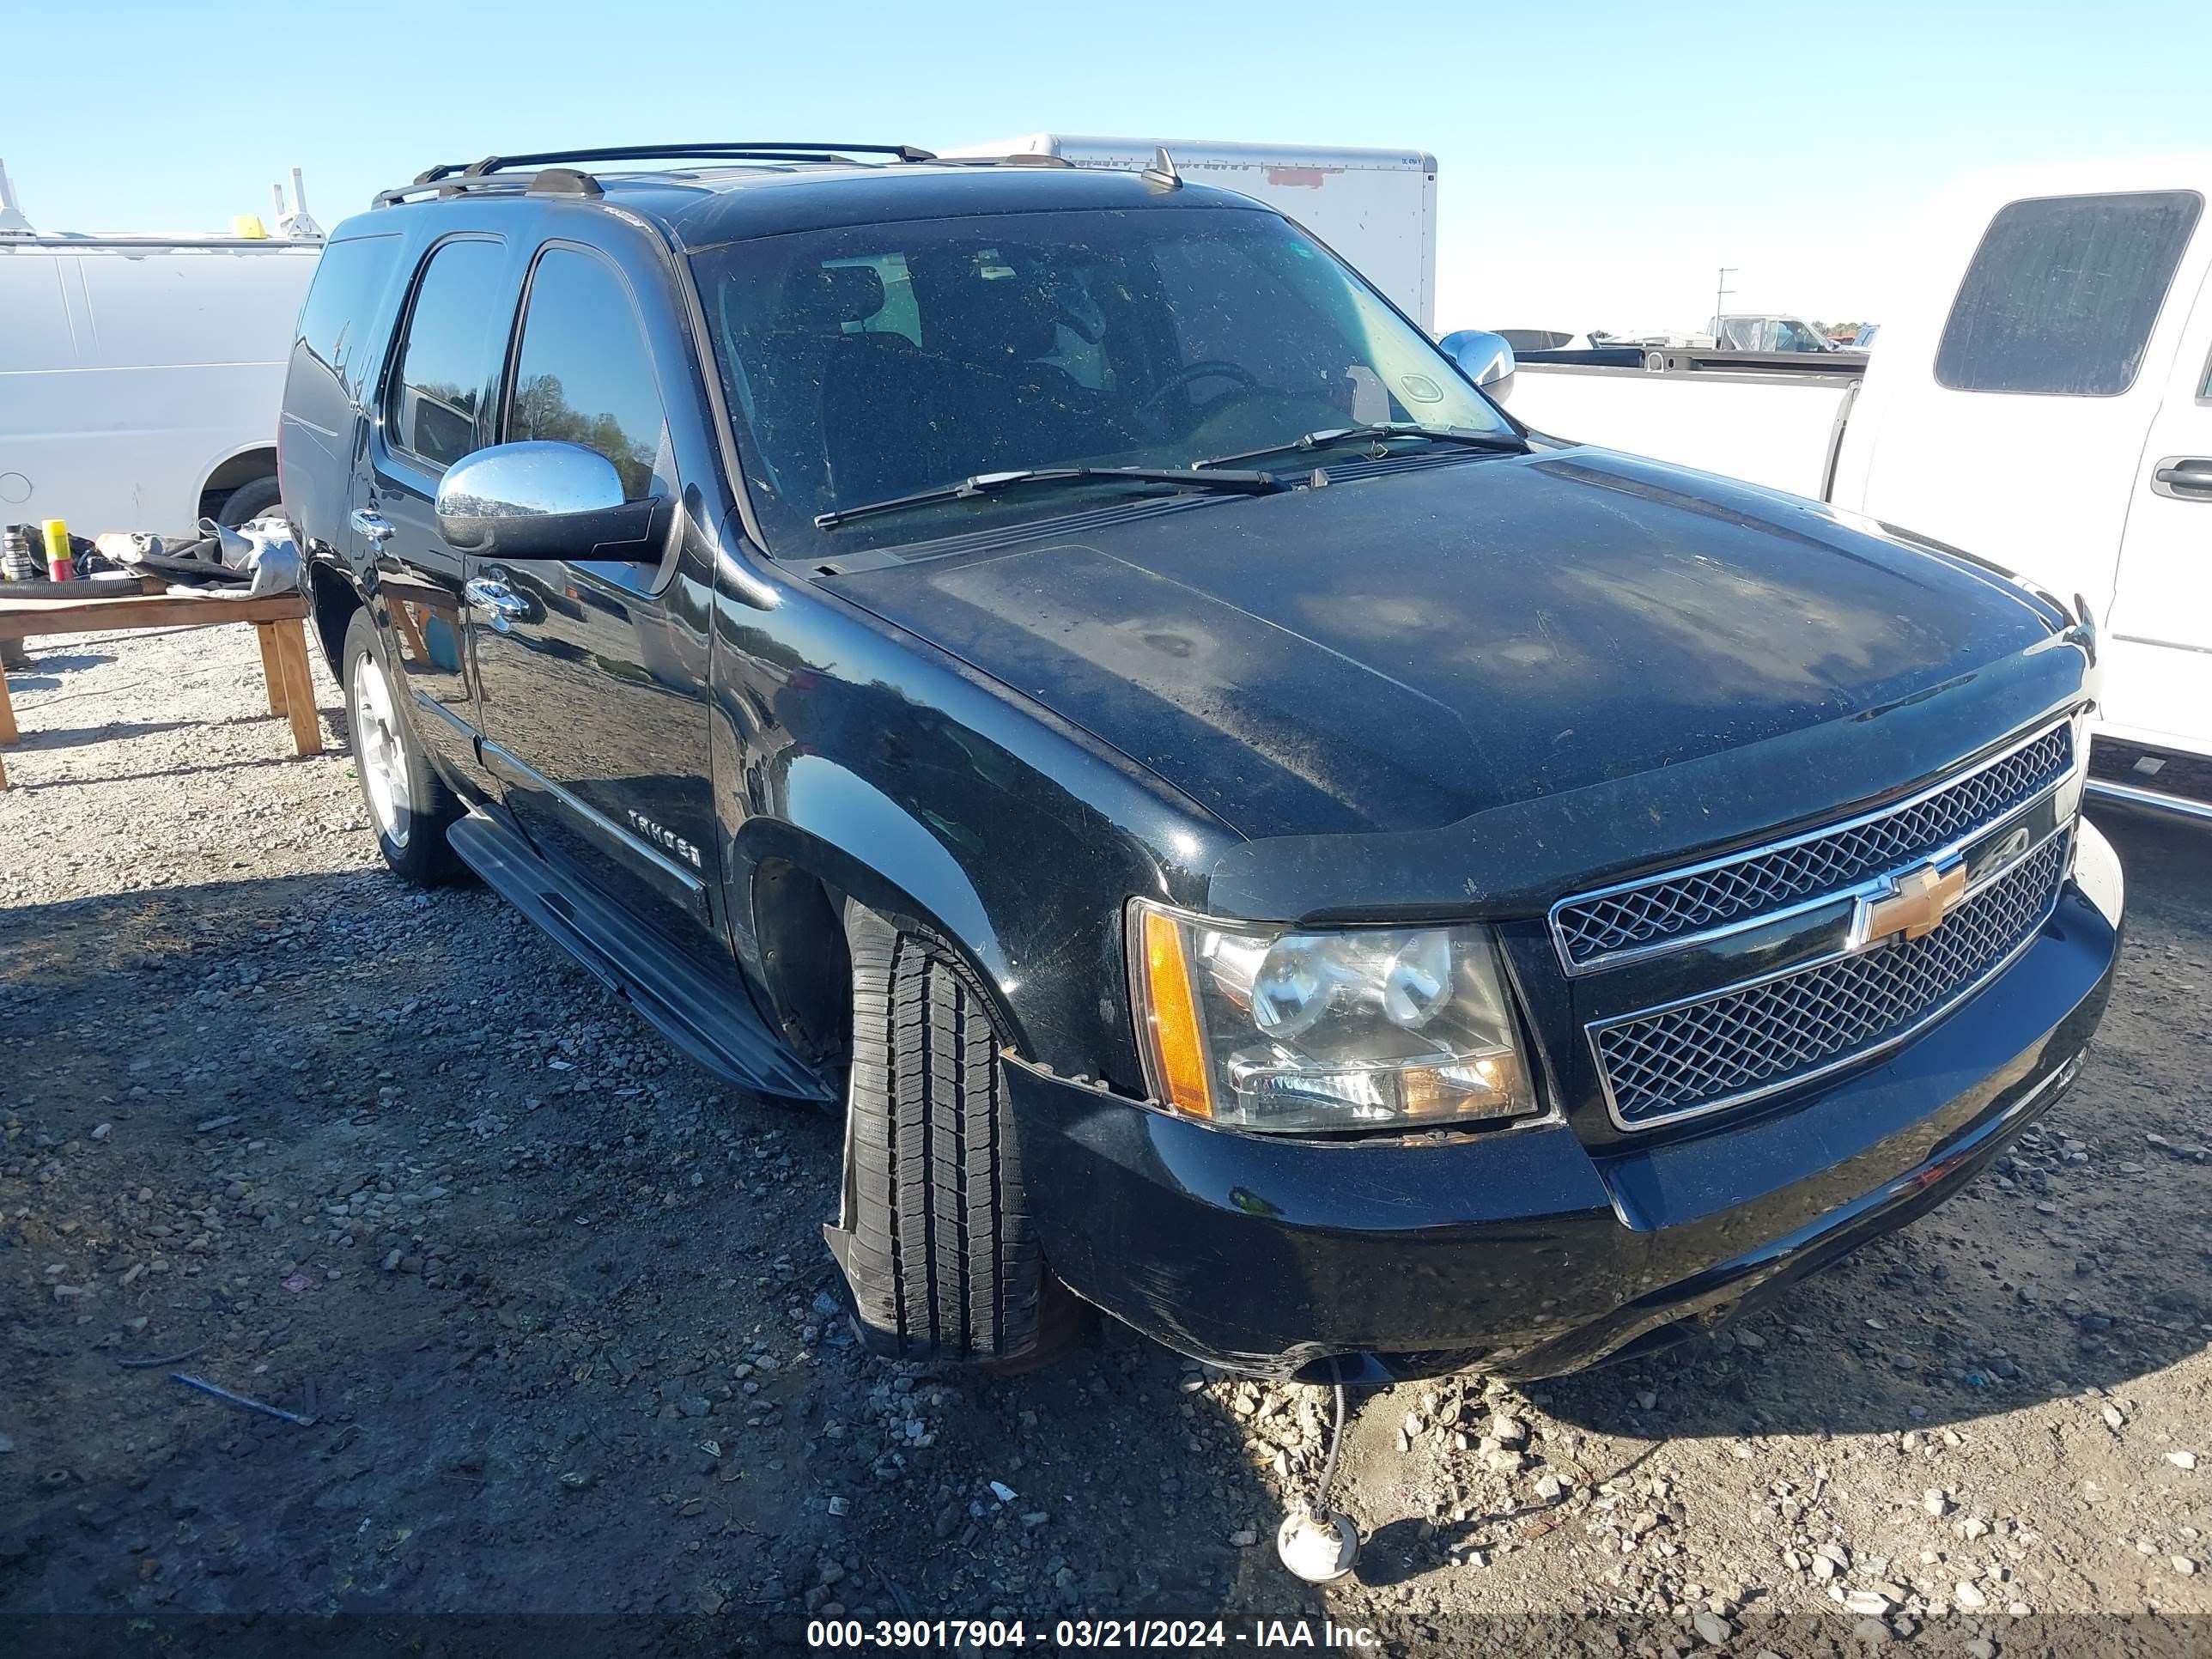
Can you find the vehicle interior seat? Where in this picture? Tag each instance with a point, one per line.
(789, 354)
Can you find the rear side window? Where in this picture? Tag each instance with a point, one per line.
(446, 360)
(585, 373)
(331, 357)
(2061, 296)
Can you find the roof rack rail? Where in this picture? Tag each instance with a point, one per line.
(1020, 158)
(452, 177)
(564, 181)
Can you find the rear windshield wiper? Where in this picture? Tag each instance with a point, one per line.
(1503, 442)
(990, 483)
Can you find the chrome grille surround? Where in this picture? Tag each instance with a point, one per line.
(1706, 1054)
(1657, 913)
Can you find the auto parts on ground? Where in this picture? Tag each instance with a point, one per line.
(1318, 1544)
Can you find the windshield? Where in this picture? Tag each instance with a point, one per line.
(885, 360)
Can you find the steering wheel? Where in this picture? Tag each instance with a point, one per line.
(1205, 368)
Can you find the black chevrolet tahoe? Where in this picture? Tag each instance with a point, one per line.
(1053, 666)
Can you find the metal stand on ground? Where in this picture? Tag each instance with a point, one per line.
(1318, 1544)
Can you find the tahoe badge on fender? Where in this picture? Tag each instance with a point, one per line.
(664, 838)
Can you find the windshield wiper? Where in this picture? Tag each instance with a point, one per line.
(990, 483)
(1503, 442)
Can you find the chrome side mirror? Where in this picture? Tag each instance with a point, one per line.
(1484, 358)
(546, 501)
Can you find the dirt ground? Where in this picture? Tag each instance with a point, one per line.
(558, 1307)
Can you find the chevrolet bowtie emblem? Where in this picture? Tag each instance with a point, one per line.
(1917, 904)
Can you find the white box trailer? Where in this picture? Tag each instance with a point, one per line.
(1376, 207)
(140, 376)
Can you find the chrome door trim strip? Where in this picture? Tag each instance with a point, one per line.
(424, 699)
(598, 824)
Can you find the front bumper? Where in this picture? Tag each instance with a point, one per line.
(1522, 1248)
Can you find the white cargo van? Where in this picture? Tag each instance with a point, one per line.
(140, 376)
(2042, 397)
(1376, 208)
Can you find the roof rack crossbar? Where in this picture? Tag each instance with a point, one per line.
(804, 150)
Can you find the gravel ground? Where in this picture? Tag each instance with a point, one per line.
(558, 1306)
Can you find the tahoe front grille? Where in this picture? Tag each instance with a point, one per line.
(1700, 1055)
(1640, 918)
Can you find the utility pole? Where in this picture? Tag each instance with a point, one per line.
(1721, 291)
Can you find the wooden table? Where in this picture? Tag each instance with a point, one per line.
(278, 619)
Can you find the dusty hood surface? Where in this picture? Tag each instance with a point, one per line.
(1400, 653)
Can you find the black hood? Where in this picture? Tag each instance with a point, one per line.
(1399, 653)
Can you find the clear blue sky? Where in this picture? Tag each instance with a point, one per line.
(1592, 156)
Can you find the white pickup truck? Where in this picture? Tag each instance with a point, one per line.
(2043, 400)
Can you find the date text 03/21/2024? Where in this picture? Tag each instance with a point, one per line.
(1126, 1634)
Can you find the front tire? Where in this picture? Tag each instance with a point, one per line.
(409, 804)
(935, 1237)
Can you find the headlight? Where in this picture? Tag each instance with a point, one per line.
(1262, 1027)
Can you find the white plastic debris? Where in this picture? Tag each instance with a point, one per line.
(1319, 1549)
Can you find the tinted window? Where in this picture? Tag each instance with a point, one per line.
(584, 375)
(330, 359)
(876, 361)
(447, 357)
(2061, 296)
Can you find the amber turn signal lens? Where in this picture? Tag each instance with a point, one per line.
(1178, 1045)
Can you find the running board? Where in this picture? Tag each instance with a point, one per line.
(713, 1022)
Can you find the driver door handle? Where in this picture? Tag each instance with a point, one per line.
(503, 604)
(2184, 477)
